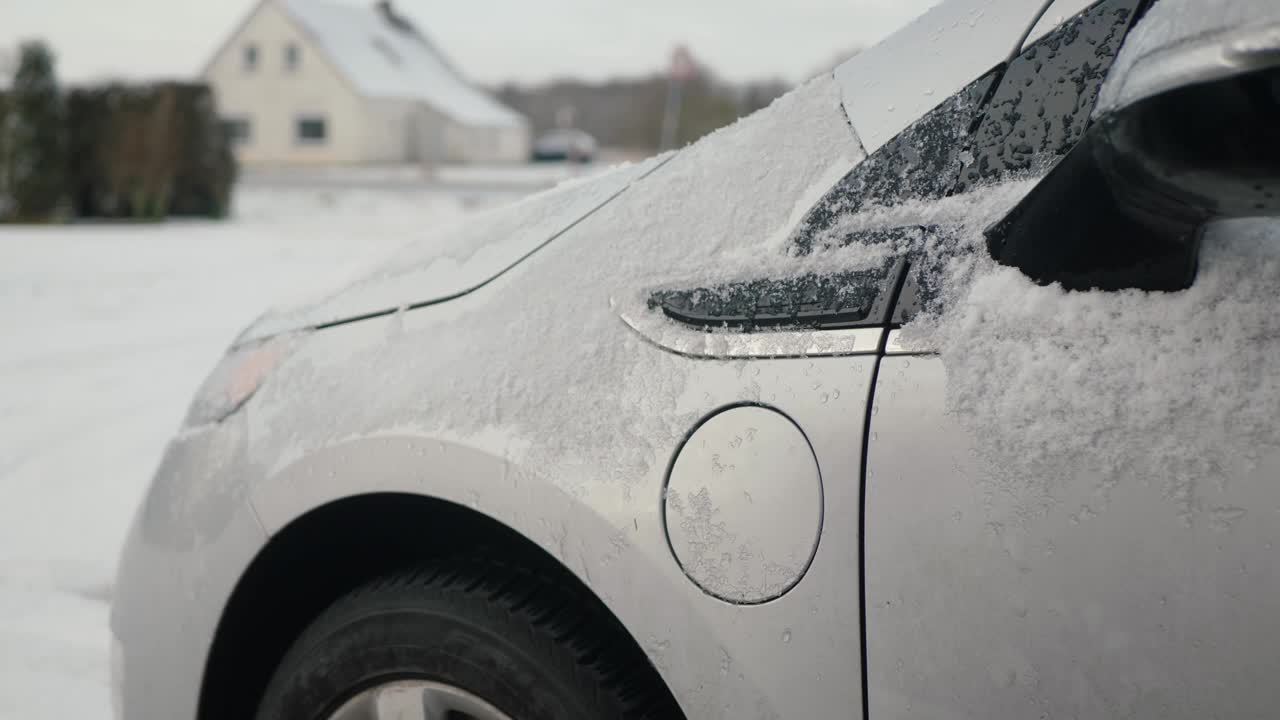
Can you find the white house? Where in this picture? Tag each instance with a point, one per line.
(324, 82)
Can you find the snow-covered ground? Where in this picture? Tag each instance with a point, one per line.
(468, 182)
(105, 332)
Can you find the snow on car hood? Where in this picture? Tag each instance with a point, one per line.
(455, 260)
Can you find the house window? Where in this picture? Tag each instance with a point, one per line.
(238, 130)
(312, 130)
(250, 58)
(292, 57)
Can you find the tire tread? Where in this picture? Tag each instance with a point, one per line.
(571, 628)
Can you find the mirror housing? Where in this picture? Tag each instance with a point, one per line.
(1194, 138)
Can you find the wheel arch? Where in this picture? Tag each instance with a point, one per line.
(326, 552)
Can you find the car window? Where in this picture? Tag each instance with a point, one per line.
(1053, 16)
(890, 85)
(1015, 121)
(1042, 106)
(1016, 118)
(922, 162)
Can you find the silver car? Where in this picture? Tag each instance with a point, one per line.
(565, 144)
(945, 387)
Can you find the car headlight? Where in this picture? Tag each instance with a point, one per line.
(237, 377)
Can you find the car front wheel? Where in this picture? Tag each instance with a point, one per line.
(466, 640)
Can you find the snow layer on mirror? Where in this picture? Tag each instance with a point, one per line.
(1179, 42)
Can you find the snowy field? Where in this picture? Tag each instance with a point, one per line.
(107, 330)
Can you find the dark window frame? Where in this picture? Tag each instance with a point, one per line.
(250, 57)
(311, 130)
(292, 57)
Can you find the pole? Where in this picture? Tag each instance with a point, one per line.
(671, 115)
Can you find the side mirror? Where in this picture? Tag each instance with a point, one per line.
(1192, 135)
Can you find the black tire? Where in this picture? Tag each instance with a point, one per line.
(532, 646)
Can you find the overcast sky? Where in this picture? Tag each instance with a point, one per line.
(492, 40)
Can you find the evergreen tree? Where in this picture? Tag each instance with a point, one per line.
(37, 137)
(6, 202)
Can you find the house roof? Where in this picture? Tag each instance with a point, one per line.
(382, 59)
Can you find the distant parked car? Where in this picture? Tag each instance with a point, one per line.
(565, 146)
(723, 434)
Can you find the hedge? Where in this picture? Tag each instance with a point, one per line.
(110, 151)
(148, 151)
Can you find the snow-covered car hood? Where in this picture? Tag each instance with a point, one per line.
(455, 260)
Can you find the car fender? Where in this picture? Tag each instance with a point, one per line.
(184, 555)
(635, 568)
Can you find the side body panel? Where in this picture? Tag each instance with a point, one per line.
(530, 400)
(601, 517)
(990, 595)
(527, 398)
